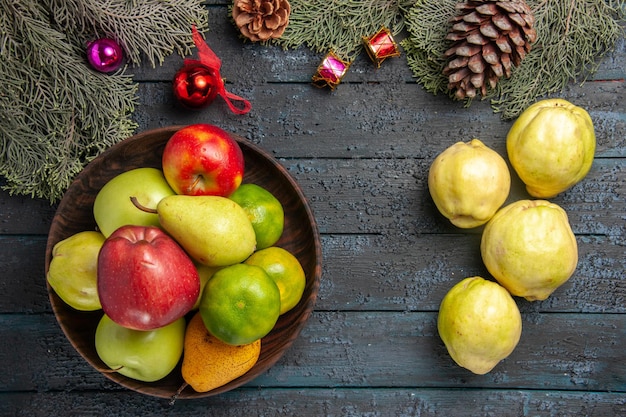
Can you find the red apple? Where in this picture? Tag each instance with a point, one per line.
(203, 159)
(145, 279)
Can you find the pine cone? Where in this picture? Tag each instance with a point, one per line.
(261, 20)
(489, 38)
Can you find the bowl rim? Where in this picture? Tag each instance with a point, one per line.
(308, 303)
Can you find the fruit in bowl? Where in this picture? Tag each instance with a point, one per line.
(203, 159)
(113, 207)
(142, 355)
(145, 279)
(73, 270)
(214, 230)
(300, 237)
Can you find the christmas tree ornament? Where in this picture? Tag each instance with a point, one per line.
(84, 111)
(489, 37)
(330, 72)
(105, 55)
(195, 86)
(340, 25)
(261, 20)
(198, 82)
(381, 46)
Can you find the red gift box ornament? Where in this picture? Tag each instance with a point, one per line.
(381, 46)
(330, 71)
(199, 81)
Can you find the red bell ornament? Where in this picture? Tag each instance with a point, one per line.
(195, 85)
(381, 46)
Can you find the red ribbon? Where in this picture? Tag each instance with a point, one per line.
(211, 61)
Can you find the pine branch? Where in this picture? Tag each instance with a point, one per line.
(340, 25)
(566, 52)
(154, 28)
(572, 36)
(427, 24)
(56, 113)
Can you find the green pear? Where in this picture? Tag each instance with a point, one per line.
(214, 230)
(73, 269)
(205, 273)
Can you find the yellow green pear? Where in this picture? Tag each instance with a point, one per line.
(468, 182)
(551, 146)
(205, 273)
(72, 272)
(479, 323)
(213, 230)
(529, 248)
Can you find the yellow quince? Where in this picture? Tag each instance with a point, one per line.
(551, 146)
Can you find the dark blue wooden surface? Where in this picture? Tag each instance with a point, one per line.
(361, 154)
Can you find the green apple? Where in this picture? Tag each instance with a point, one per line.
(142, 355)
(73, 270)
(113, 207)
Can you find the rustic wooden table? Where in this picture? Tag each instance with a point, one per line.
(361, 154)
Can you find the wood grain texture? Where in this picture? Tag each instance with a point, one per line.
(348, 402)
(369, 120)
(386, 272)
(360, 155)
(344, 349)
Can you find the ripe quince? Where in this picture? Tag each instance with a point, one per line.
(551, 146)
(468, 182)
(480, 324)
(529, 248)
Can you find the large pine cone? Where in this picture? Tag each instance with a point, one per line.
(261, 20)
(489, 38)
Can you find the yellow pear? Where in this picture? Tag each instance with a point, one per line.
(209, 363)
(214, 231)
(529, 248)
(72, 272)
(551, 146)
(468, 182)
(205, 273)
(480, 324)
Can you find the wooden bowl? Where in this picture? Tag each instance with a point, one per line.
(300, 237)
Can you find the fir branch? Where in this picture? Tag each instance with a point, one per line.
(427, 24)
(340, 25)
(154, 28)
(572, 36)
(56, 113)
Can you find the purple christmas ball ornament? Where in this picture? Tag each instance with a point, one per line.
(105, 55)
